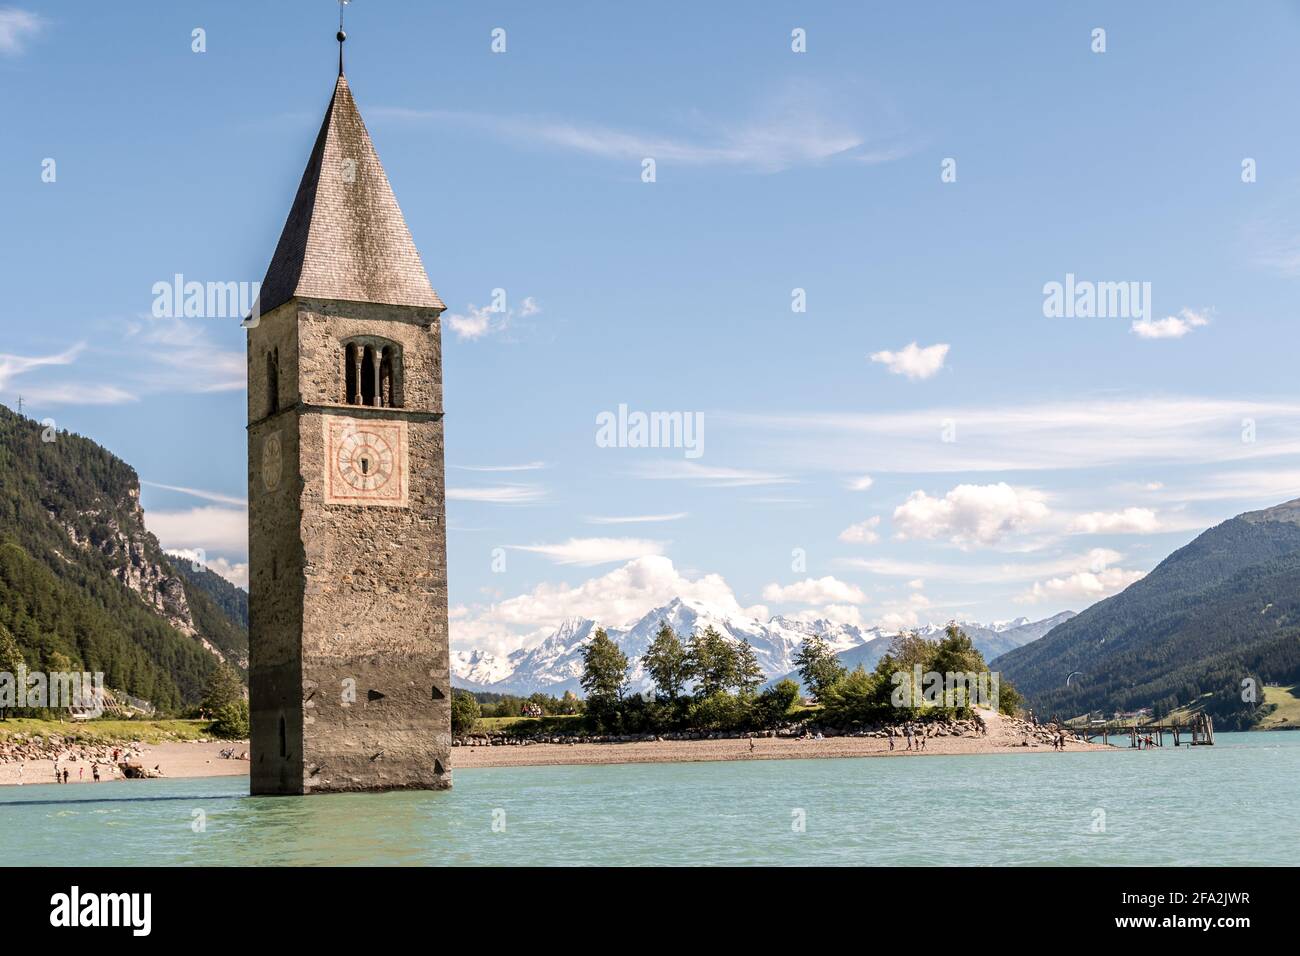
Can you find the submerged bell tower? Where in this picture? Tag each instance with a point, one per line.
(349, 680)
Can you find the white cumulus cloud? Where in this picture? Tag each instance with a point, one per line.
(970, 514)
(815, 591)
(914, 361)
(864, 532)
(1094, 580)
(1170, 327)
(1128, 521)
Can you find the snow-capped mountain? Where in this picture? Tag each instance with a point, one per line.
(555, 665)
(479, 668)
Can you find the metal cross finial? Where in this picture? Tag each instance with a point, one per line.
(341, 35)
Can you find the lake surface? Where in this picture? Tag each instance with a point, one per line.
(1235, 803)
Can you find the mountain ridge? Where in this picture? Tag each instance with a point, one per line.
(555, 664)
(1220, 610)
(83, 583)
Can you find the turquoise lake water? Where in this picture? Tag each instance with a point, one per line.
(1235, 803)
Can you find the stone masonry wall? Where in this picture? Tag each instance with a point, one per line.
(371, 645)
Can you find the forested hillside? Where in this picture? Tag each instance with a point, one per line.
(82, 583)
(1221, 610)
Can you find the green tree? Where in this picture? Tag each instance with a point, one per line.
(855, 697)
(712, 661)
(231, 721)
(11, 659)
(1009, 699)
(818, 665)
(775, 702)
(465, 712)
(604, 670)
(956, 655)
(223, 688)
(667, 662)
(746, 675)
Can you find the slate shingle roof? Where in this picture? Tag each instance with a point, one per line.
(345, 237)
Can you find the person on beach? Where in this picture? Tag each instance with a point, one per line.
(751, 744)
(66, 774)
(94, 771)
(891, 738)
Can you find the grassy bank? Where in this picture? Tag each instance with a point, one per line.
(529, 726)
(1287, 714)
(561, 725)
(108, 731)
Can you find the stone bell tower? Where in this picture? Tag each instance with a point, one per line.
(349, 681)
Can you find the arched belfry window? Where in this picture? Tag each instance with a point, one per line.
(273, 381)
(372, 373)
(351, 375)
(369, 394)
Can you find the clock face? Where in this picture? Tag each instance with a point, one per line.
(272, 461)
(365, 462)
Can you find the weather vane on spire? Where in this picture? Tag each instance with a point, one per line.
(341, 35)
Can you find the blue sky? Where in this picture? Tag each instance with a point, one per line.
(1082, 450)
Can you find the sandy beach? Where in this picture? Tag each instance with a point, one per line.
(765, 748)
(198, 759)
(204, 759)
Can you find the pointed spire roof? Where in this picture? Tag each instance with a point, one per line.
(345, 237)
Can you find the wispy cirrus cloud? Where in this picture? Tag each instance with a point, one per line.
(498, 494)
(12, 366)
(16, 28)
(45, 391)
(592, 551)
(798, 127)
(527, 466)
(635, 519)
(1006, 572)
(184, 357)
(1033, 436)
(710, 475)
(214, 496)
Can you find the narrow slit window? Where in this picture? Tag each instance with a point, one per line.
(351, 374)
(273, 381)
